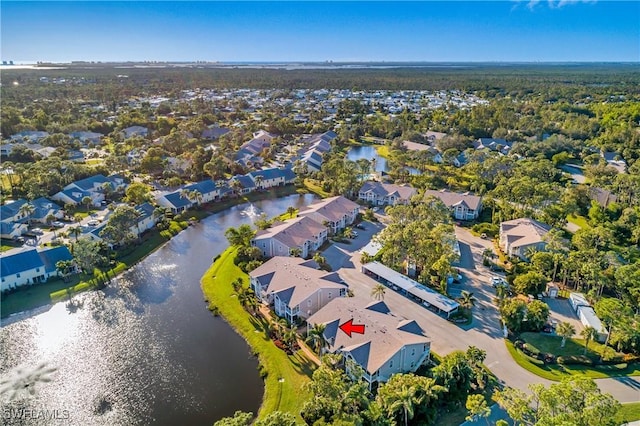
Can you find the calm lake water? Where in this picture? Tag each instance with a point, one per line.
(145, 350)
(369, 152)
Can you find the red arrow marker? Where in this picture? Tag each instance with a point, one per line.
(349, 327)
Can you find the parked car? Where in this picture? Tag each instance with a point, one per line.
(57, 224)
(355, 234)
(483, 236)
(37, 231)
(93, 222)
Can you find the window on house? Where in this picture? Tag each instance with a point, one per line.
(391, 364)
(37, 269)
(413, 351)
(309, 302)
(329, 295)
(17, 275)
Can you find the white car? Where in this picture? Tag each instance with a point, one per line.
(57, 224)
(496, 281)
(37, 231)
(93, 222)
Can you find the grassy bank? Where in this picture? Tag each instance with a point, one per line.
(286, 375)
(628, 413)
(557, 372)
(383, 151)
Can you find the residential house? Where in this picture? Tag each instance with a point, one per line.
(390, 345)
(207, 188)
(14, 220)
(268, 178)
(245, 184)
(11, 211)
(614, 160)
(132, 131)
(176, 201)
(11, 230)
(432, 136)
(92, 187)
(29, 136)
(43, 208)
(494, 144)
(214, 132)
(6, 149)
(92, 138)
(147, 219)
(463, 206)
(295, 287)
(301, 233)
(30, 266)
(602, 196)
(314, 148)
(518, 236)
(336, 213)
(249, 153)
(380, 194)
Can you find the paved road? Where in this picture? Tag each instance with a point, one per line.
(484, 332)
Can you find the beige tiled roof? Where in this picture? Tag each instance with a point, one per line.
(385, 333)
(452, 199)
(405, 192)
(299, 275)
(293, 232)
(523, 232)
(333, 208)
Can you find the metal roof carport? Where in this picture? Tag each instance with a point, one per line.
(412, 287)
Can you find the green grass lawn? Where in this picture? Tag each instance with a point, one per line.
(578, 220)
(628, 413)
(312, 186)
(549, 343)
(286, 375)
(383, 151)
(557, 372)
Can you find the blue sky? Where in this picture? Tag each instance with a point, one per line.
(536, 30)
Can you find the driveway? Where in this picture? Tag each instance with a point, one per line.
(484, 332)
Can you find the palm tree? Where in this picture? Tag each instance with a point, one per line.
(348, 232)
(86, 201)
(319, 259)
(565, 329)
(75, 231)
(291, 211)
(236, 186)
(282, 325)
(467, 299)
(377, 292)
(316, 338)
(501, 294)
(295, 252)
(258, 180)
(588, 334)
(26, 210)
(407, 399)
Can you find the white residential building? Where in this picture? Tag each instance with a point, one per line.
(381, 194)
(463, 206)
(390, 344)
(295, 287)
(519, 235)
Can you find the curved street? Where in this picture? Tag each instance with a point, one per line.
(484, 332)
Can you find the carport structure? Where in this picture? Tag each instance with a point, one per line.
(411, 288)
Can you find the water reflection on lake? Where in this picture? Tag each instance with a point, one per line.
(145, 350)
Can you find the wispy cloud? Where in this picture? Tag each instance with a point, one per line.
(553, 4)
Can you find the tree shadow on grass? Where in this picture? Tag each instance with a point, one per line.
(301, 364)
